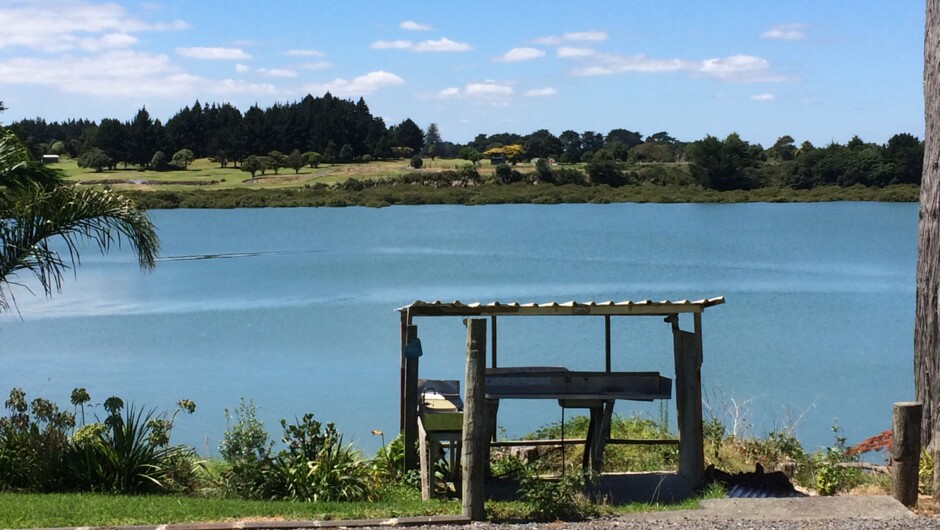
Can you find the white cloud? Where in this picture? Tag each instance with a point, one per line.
(763, 97)
(211, 53)
(359, 86)
(411, 25)
(76, 26)
(540, 92)
(486, 92)
(567, 51)
(785, 32)
(590, 36)
(121, 73)
(487, 88)
(392, 45)
(242, 68)
(574, 36)
(520, 54)
(739, 69)
(442, 45)
(607, 64)
(319, 65)
(733, 69)
(305, 53)
(278, 72)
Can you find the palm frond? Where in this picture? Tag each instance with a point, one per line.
(35, 215)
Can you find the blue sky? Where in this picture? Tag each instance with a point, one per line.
(816, 70)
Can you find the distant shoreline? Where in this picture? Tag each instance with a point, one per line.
(409, 194)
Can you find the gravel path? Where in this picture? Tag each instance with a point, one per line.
(712, 524)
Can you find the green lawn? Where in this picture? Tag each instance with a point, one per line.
(203, 174)
(60, 510)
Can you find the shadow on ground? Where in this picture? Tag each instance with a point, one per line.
(614, 488)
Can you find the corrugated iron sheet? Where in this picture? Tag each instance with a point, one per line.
(610, 307)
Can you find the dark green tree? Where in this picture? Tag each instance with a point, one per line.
(295, 161)
(432, 140)
(94, 158)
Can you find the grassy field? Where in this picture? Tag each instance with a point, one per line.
(206, 185)
(203, 174)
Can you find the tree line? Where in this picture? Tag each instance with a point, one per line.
(333, 130)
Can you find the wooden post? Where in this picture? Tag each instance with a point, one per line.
(410, 431)
(607, 342)
(687, 348)
(474, 431)
(905, 451)
(493, 342)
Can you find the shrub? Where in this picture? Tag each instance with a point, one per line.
(33, 444)
(831, 476)
(563, 498)
(131, 454)
(316, 466)
(246, 447)
(416, 162)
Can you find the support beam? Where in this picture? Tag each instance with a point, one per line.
(410, 391)
(474, 431)
(493, 342)
(687, 349)
(607, 342)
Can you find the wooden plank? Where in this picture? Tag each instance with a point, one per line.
(474, 430)
(689, 407)
(580, 441)
(427, 471)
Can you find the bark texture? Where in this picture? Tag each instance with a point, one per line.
(927, 311)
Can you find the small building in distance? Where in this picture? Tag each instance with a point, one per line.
(50, 159)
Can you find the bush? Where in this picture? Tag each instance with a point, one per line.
(129, 454)
(416, 162)
(314, 466)
(34, 443)
(563, 498)
(831, 476)
(246, 448)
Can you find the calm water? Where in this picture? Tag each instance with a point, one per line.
(295, 309)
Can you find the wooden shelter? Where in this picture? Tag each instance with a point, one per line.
(596, 391)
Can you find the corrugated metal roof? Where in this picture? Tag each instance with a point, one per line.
(627, 307)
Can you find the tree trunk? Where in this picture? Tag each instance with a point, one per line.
(927, 319)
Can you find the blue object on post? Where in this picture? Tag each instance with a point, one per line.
(413, 349)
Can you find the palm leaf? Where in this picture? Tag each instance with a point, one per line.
(35, 215)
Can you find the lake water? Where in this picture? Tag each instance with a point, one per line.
(295, 309)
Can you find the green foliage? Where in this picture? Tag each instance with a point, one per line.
(416, 162)
(247, 448)
(313, 159)
(925, 472)
(94, 158)
(182, 158)
(831, 476)
(159, 161)
(563, 498)
(130, 454)
(123, 454)
(314, 466)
